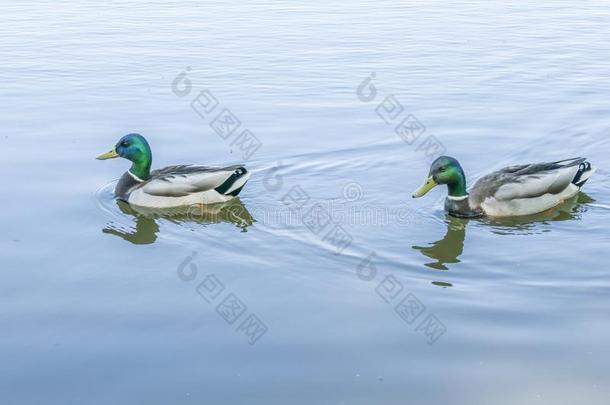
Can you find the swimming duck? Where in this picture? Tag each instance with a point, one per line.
(512, 191)
(172, 186)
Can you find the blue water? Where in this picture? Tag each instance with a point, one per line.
(104, 304)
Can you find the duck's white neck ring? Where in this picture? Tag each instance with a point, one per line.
(136, 178)
(460, 198)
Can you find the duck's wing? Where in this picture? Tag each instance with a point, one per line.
(183, 180)
(527, 181)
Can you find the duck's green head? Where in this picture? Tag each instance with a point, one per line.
(444, 170)
(134, 148)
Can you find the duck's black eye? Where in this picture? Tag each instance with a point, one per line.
(124, 143)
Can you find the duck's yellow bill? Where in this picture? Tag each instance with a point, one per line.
(108, 155)
(427, 186)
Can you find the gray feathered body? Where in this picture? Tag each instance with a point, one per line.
(523, 189)
(183, 185)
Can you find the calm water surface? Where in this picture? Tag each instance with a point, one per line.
(103, 304)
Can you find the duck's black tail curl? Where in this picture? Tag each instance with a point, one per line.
(585, 170)
(233, 185)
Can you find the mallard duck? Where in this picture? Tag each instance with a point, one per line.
(172, 186)
(512, 191)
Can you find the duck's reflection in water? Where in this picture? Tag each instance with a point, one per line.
(147, 229)
(448, 249)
